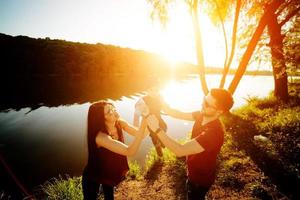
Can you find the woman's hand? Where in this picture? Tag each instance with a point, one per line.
(153, 123)
(132, 130)
(104, 140)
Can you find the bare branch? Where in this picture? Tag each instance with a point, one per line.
(284, 6)
(289, 16)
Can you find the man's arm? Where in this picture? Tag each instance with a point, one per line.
(190, 147)
(176, 113)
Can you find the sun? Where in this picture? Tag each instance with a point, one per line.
(176, 41)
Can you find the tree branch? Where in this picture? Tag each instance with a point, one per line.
(199, 48)
(235, 24)
(289, 16)
(224, 33)
(284, 6)
(270, 9)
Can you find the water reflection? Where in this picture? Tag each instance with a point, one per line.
(53, 92)
(51, 140)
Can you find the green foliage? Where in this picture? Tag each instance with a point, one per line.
(160, 10)
(135, 171)
(218, 9)
(60, 188)
(251, 14)
(292, 45)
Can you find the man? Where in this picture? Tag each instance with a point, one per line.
(206, 141)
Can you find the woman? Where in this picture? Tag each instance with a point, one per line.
(107, 153)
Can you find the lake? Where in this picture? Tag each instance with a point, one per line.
(41, 139)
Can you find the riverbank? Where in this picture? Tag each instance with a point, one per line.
(266, 167)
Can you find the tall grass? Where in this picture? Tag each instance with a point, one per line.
(61, 188)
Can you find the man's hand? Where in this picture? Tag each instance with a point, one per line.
(153, 123)
(141, 108)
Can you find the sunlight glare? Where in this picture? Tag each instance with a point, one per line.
(176, 41)
(182, 96)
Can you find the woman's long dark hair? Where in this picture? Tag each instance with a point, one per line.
(96, 121)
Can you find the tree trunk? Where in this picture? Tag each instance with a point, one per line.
(233, 42)
(278, 60)
(199, 48)
(269, 10)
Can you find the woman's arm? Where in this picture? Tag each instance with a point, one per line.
(132, 130)
(104, 140)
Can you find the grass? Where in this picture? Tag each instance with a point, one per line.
(279, 156)
(278, 122)
(168, 158)
(269, 114)
(152, 158)
(63, 188)
(234, 163)
(3, 196)
(135, 171)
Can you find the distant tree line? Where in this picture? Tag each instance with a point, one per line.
(25, 56)
(22, 56)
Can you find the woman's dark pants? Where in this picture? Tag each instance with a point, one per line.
(91, 190)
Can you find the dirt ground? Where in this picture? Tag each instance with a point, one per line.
(238, 177)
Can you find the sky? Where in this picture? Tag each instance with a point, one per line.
(124, 23)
